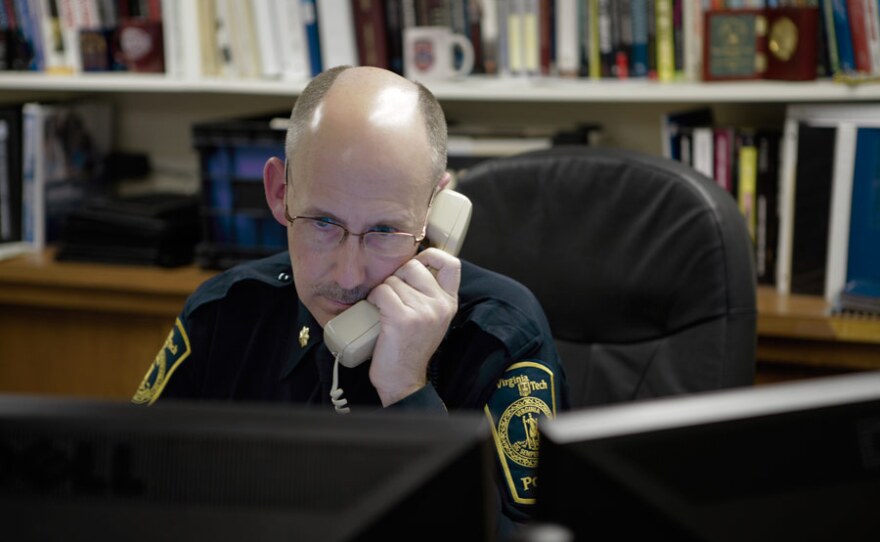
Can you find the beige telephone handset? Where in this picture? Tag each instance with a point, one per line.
(352, 335)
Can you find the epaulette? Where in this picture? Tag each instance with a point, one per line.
(273, 271)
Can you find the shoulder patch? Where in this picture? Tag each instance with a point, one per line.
(524, 394)
(173, 352)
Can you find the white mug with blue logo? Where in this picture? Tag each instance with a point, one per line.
(436, 53)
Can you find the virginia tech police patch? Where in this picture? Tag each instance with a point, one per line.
(173, 352)
(524, 395)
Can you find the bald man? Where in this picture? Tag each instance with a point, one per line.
(365, 158)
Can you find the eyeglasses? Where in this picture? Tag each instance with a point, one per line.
(323, 234)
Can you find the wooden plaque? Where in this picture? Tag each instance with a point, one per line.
(792, 33)
(734, 46)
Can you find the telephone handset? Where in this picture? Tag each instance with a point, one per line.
(351, 336)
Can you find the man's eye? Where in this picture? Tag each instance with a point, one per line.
(384, 229)
(323, 224)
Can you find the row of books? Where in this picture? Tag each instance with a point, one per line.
(745, 162)
(296, 39)
(72, 36)
(810, 193)
(52, 159)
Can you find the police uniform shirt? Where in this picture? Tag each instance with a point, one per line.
(245, 335)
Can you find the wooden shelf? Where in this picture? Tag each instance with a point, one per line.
(799, 331)
(808, 318)
(37, 280)
(475, 88)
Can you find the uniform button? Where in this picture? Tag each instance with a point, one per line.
(283, 277)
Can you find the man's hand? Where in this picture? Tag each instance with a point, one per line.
(415, 310)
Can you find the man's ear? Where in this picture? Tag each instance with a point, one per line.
(274, 186)
(444, 181)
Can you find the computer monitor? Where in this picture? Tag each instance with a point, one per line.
(75, 469)
(787, 461)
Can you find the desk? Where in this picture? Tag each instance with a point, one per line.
(797, 338)
(91, 330)
(85, 329)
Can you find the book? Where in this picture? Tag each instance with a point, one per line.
(830, 41)
(843, 36)
(621, 38)
(863, 259)
(811, 208)
(31, 32)
(639, 57)
(841, 202)
(860, 297)
(204, 39)
(692, 41)
(312, 36)
(665, 45)
(567, 38)
(64, 150)
(57, 59)
(605, 33)
(546, 44)
(370, 33)
(704, 150)
(293, 50)
(10, 172)
(856, 15)
(394, 32)
(846, 123)
(767, 229)
(268, 37)
(336, 33)
(245, 43)
(593, 58)
(673, 123)
(177, 61)
(747, 177)
(872, 31)
(225, 51)
(724, 151)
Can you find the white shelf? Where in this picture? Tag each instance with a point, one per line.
(476, 89)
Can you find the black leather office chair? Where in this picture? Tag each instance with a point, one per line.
(643, 266)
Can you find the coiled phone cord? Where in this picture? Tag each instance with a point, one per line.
(336, 397)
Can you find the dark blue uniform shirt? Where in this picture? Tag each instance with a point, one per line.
(245, 335)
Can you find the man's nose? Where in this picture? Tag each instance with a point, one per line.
(351, 263)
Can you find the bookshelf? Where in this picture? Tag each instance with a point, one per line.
(473, 88)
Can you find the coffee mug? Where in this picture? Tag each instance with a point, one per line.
(429, 53)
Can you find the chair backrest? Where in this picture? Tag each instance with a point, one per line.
(644, 267)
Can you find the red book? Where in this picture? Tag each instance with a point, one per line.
(370, 33)
(857, 14)
(724, 157)
(546, 35)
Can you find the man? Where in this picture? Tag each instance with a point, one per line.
(366, 156)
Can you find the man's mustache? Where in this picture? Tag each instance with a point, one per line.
(343, 295)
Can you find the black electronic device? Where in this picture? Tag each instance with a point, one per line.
(785, 461)
(76, 469)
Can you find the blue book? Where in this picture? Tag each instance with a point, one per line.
(863, 259)
(31, 31)
(845, 55)
(639, 59)
(313, 39)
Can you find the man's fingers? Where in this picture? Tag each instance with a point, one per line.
(445, 267)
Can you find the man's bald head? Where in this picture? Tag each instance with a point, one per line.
(368, 101)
